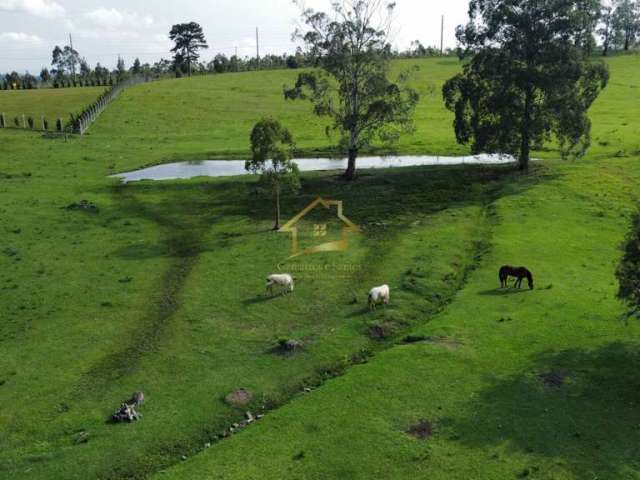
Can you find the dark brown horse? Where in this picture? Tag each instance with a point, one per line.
(519, 273)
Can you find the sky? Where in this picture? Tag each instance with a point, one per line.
(101, 30)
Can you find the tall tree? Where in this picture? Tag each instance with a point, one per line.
(272, 152)
(57, 59)
(85, 69)
(626, 22)
(352, 87)
(587, 15)
(44, 75)
(605, 30)
(65, 59)
(527, 81)
(188, 38)
(136, 69)
(121, 68)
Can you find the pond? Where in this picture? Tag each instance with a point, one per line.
(229, 168)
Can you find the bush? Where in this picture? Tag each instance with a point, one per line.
(16, 121)
(30, 122)
(628, 272)
(45, 124)
(59, 125)
(2, 120)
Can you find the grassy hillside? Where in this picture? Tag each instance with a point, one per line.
(202, 117)
(53, 103)
(162, 289)
(520, 384)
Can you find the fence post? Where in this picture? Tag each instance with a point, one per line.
(24, 122)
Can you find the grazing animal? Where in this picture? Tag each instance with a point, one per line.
(378, 295)
(126, 413)
(282, 280)
(136, 399)
(519, 273)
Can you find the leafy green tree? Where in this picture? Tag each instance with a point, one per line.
(45, 76)
(121, 69)
(188, 38)
(352, 87)
(528, 80)
(65, 60)
(14, 80)
(587, 16)
(605, 31)
(136, 69)
(628, 272)
(221, 64)
(626, 22)
(85, 70)
(272, 152)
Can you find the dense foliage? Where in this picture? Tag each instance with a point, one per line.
(528, 81)
(629, 269)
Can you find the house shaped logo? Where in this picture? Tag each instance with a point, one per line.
(320, 230)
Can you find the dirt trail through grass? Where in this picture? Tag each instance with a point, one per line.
(145, 334)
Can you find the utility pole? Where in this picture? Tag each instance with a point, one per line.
(442, 36)
(73, 65)
(257, 48)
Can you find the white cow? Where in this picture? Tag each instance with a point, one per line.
(283, 280)
(378, 295)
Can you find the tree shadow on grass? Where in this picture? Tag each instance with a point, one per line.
(576, 411)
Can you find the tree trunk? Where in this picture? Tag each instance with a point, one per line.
(277, 225)
(350, 173)
(525, 144)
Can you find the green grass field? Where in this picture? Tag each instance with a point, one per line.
(52, 103)
(162, 289)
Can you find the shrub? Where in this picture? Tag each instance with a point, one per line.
(2, 120)
(16, 121)
(45, 124)
(30, 122)
(59, 125)
(628, 272)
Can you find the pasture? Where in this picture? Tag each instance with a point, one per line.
(52, 103)
(160, 288)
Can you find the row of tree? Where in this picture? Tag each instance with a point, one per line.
(615, 22)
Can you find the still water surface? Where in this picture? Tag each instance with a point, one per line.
(228, 168)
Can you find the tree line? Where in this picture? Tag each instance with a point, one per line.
(616, 23)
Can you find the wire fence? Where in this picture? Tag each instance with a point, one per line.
(81, 123)
(77, 124)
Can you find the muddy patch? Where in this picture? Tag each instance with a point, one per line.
(421, 430)
(553, 379)
(239, 398)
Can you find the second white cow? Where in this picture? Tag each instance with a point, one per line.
(378, 295)
(281, 280)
